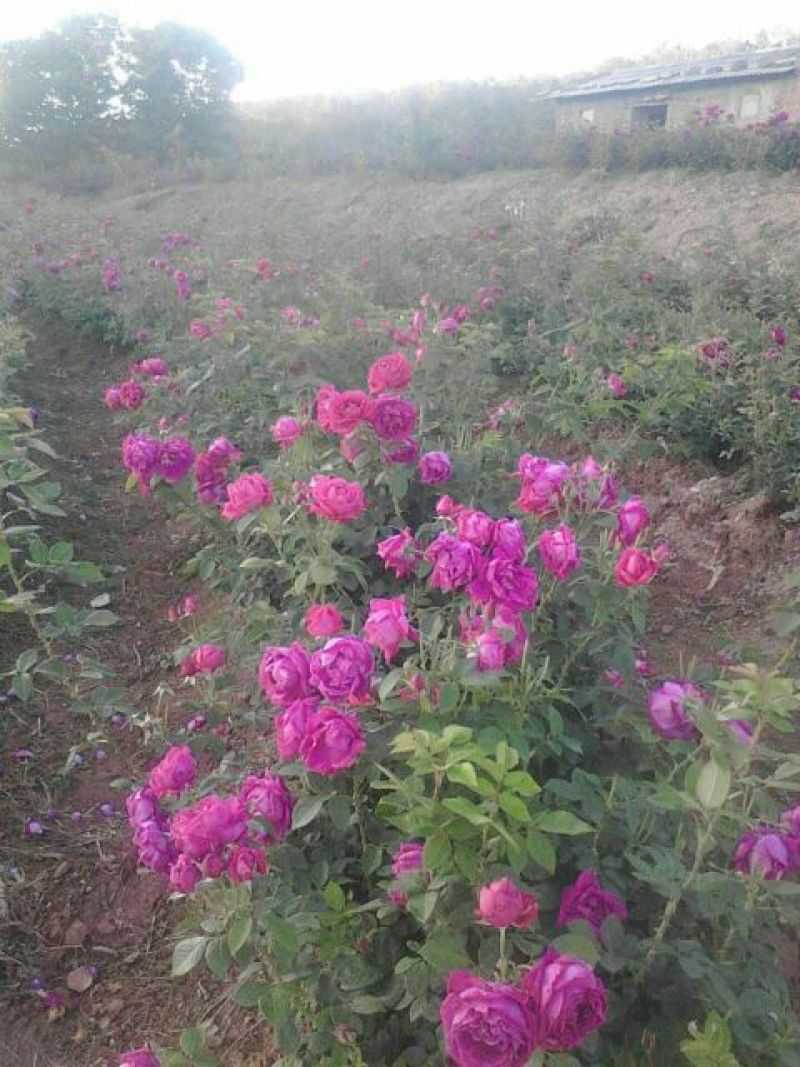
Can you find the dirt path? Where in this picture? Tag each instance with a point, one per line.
(80, 901)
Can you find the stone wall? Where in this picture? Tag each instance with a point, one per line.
(748, 101)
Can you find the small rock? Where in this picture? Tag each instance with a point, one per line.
(75, 934)
(81, 979)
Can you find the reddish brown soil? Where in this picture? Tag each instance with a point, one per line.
(80, 900)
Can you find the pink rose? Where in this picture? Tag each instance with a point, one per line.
(634, 567)
(393, 419)
(667, 711)
(324, 620)
(174, 773)
(475, 526)
(333, 741)
(559, 552)
(208, 825)
(392, 371)
(455, 562)
(435, 468)
(766, 853)
(616, 383)
(399, 553)
(285, 431)
(184, 874)
(244, 863)
(291, 725)
(139, 1057)
(153, 367)
(542, 484)
(387, 625)
(131, 395)
(587, 900)
(346, 411)
(112, 398)
(512, 585)
(508, 540)
(175, 459)
(504, 904)
(632, 518)
(342, 670)
(200, 330)
(140, 455)
(567, 999)
(283, 674)
(267, 798)
(486, 1024)
(247, 493)
(401, 452)
(407, 859)
(336, 498)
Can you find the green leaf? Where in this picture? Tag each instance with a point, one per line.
(562, 822)
(580, 944)
(513, 806)
(541, 850)
(307, 809)
(5, 553)
(187, 954)
(444, 951)
(62, 552)
(522, 783)
(713, 785)
(239, 932)
(334, 896)
(463, 774)
(467, 810)
(322, 573)
(248, 993)
(191, 1041)
(711, 1047)
(101, 618)
(218, 957)
(438, 851)
(364, 1004)
(449, 695)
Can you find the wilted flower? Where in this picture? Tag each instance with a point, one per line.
(766, 853)
(667, 710)
(400, 553)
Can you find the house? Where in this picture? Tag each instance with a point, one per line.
(747, 86)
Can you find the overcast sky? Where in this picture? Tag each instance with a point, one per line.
(294, 47)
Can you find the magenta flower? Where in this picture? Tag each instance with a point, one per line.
(766, 853)
(435, 468)
(486, 1024)
(184, 874)
(559, 552)
(285, 431)
(587, 900)
(508, 540)
(401, 452)
(112, 398)
(475, 526)
(455, 562)
(779, 336)
(244, 863)
(400, 553)
(268, 798)
(668, 712)
(324, 620)
(504, 904)
(392, 371)
(175, 459)
(283, 674)
(247, 493)
(174, 773)
(407, 859)
(512, 585)
(342, 670)
(387, 625)
(140, 456)
(616, 383)
(346, 411)
(131, 395)
(200, 330)
(332, 742)
(632, 518)
(140, 1057)
(208, 826)
(567, 999)
(542, 484)
(634, 567)
(291, 725)
(394, 418)
(336, 499)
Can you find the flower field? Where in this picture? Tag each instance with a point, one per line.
(441, 752)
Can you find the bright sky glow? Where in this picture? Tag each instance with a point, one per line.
(299, 47)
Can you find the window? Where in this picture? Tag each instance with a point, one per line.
(587, 116)
(751, 106)
(648, 116)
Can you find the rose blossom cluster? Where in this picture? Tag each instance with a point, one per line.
(211, 469)
(213, 836)
(554, 1007)
(146, 457)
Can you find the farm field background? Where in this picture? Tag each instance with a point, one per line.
(552, 547)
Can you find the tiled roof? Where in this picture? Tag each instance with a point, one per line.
(768, 63)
